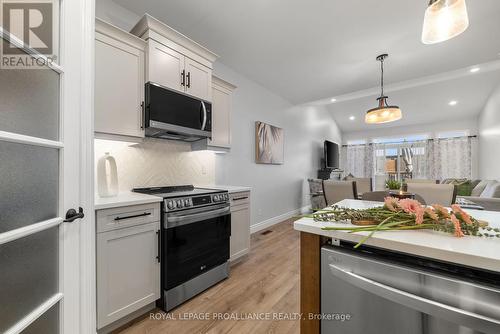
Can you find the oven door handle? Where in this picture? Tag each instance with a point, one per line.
(425, 305)
(174, 221)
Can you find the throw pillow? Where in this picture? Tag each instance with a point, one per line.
(492, 190)
(478, 190)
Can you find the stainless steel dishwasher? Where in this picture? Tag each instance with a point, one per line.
(372, 291)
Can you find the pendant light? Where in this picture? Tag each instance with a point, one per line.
(384, 113)
(444, 19)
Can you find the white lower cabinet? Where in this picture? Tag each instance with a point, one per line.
(240, 225)
(128, 267)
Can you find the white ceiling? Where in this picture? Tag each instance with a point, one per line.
(308, 50)
(423, 104)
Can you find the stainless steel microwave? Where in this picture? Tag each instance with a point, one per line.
(174, 115)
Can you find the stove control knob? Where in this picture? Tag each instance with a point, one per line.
(187, 202)
(216, 198)
(171, 205)
(226, 197)
(180, 203)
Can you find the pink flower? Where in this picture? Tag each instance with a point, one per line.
(458, 229)
(391, 203)
(457, 210)
(431, 214)
(409, 205)
(419, 215)
(441, 211)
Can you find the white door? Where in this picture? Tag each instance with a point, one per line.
(166, 66)
(198, 80)
(41, 166)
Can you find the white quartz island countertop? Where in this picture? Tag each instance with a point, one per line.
(124, 199)
(478, 252)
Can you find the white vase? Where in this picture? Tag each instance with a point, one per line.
(107, 176)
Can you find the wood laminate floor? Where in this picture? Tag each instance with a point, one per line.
(265, 283)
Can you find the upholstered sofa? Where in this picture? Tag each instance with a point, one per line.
(486, 194)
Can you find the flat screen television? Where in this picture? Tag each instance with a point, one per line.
(331, 155)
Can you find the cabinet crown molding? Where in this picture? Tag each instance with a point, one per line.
(113, 31)
(147, 22)
(220, 82)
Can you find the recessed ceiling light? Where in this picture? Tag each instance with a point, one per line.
(333, 100)
(452, 103)
(474, 69)
(352, 118)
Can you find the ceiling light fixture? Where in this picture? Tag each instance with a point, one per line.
(444, 19)
(352, 118)
(474, 69)
(453, 103)
(383, 113)
(333, 100)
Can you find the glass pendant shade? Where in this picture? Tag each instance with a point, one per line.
(383, 113)
(444, 19)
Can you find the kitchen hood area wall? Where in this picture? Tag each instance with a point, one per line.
(157, 162)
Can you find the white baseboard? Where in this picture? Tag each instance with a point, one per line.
(278, 219)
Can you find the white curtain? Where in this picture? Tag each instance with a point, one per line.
(449, 158)
(358, 160)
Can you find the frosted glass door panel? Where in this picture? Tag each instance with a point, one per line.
(29, 275)
(30, 102)
(47, 323)
(29, 183)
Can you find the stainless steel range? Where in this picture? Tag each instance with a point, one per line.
(196, 227)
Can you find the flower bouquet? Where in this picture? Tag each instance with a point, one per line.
(406, 214)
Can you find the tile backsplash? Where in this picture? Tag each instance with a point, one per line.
(156, 162)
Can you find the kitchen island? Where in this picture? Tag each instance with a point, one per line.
(470, 252)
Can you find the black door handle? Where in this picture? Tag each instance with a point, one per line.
(72, 215)
(183, 78)
(188, 85)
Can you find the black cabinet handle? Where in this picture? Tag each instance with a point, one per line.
(159, 246)
(72, 215)
(188, 80)
(183, 77)
(239, 198)
(133, 216)
(143, 116)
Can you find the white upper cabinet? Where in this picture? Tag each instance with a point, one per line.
(165, 66)
(175, 61)
(198, 80)
(119, 81)
(221, 112)
(221, 118)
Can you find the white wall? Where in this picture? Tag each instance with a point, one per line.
(489, 138)
(276, 189)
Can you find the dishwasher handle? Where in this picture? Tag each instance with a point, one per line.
(459, 316)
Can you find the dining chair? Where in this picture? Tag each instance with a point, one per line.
(375, 196)
(336, 191)
(408, 181)
(443, 194)
(363, 184)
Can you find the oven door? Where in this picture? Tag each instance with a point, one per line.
(195, 241)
